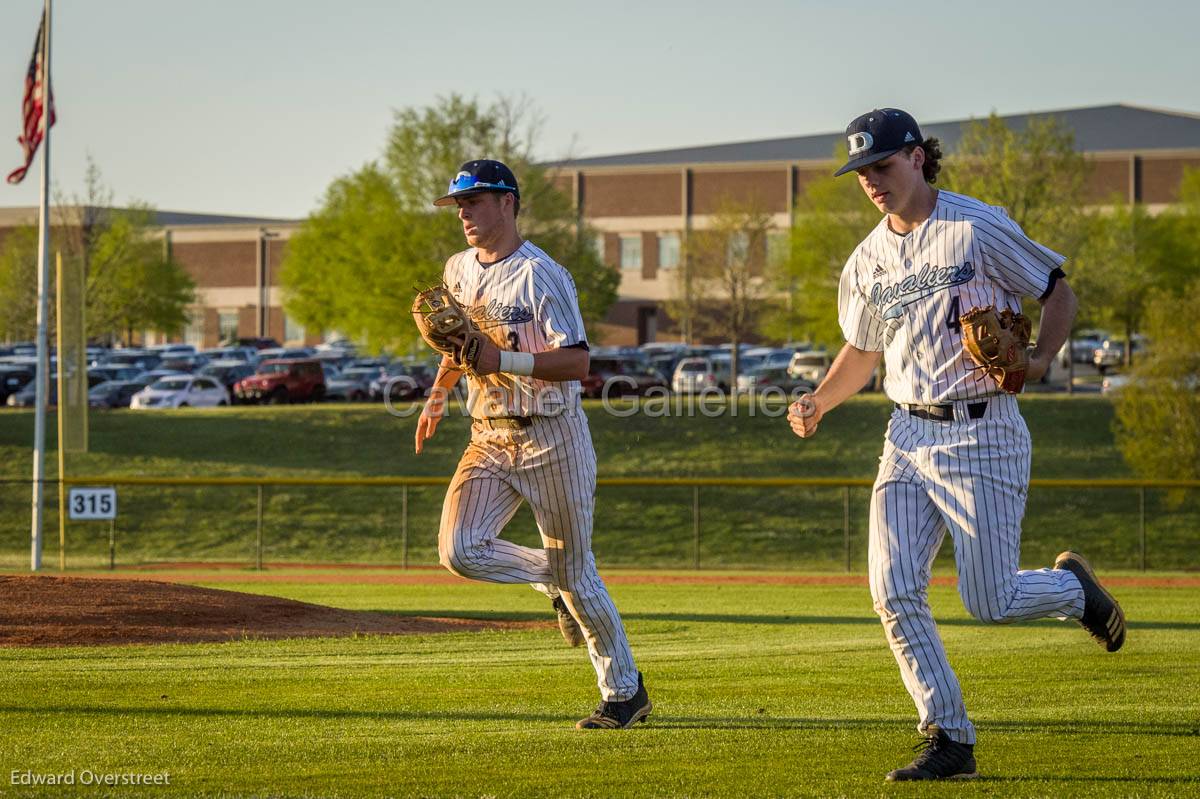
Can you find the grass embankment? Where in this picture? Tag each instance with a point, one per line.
(779, 528)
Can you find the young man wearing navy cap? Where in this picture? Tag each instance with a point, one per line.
(529, 439)
(957, 451)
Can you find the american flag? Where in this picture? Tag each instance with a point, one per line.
(33, 106)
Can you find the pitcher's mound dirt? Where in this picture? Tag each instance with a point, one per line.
(79, 611)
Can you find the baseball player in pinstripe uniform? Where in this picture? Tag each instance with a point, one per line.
(529, 439)
(957, 451)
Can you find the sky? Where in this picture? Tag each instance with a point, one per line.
(254, 106)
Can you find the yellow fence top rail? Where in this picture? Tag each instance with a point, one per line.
(730, 482)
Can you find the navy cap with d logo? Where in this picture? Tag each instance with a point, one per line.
(876, 135)
(479, 176)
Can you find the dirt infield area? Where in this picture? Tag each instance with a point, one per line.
(82, 611)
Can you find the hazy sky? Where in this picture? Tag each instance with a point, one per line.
(253, 106)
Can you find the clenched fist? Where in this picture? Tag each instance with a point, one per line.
(804, 415)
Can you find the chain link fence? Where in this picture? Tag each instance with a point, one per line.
(747, 523)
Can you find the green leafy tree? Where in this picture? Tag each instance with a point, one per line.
(832, 216)
(1035, 173)
(131, 284)
(727, 264)
(1158, 412)
(355, 261)
(18, 283)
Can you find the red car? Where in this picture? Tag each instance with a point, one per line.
(282, 381)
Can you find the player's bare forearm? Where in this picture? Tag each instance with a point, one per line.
(1058, 314)
(849, 373)
(448, 375)
(568, 363)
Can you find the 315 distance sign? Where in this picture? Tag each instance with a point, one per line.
(92, 503)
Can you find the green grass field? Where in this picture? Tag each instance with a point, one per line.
(635, 527)
(759, 690)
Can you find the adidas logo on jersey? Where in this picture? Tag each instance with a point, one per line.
(878, 271)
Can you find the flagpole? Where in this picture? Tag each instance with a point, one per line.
(43, 355)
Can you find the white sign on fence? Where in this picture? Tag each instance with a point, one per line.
(92, 503)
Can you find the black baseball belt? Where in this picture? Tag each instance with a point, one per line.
(943, 412)
(506, 422)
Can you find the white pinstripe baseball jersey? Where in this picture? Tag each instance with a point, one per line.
(903, 295)
(526, 302)
(966, 473)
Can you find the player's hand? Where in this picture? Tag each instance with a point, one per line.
(804, 415)
(488, 362)
(1039, 364)
(431, 414)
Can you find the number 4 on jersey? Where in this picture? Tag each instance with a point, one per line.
(952, 321)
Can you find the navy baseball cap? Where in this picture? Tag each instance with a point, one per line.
(475, 177)
(877, 134)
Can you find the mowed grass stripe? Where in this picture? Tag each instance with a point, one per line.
(760, 691)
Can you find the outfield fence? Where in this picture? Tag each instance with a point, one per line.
(686, 522)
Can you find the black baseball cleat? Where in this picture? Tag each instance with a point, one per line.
(1102, 616)
(619, 715)
(572, 633)
(940, 759)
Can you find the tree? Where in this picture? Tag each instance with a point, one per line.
(727, 264)
(131, 284)
(18, 284)
(1115, 269)
(355, 261)
(831, 217)
(1034, 173)
(1158, 412)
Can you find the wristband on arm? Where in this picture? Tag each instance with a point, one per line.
(516, 363)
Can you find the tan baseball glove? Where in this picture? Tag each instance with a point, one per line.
(999, 344)
(440, 318)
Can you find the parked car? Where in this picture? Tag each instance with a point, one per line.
(138, 358)
(181, 391)
(809, 365)
(292, 353)
(403, 380)
(1112, 352)
(154, 375)
(1082, 346)
(26, 397)
(353, 384)
(227, 372)
(254, 342)
(13, 378)
(763, 377)
(113, 394)
(623, 374)
(696, 374)
(184, 363)
(109, 373)
(280, 381)
(247, 354)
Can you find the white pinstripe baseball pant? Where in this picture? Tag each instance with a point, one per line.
(552, 465)
(969, 476)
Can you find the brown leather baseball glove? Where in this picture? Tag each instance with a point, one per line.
(999, 344)
(440, 318)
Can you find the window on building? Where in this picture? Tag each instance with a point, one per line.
(668, 250)
(738, 249)
(631, 252)
(598, 243)
(227, 325)
(779, 246)
(194, 332)
(292, 330)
